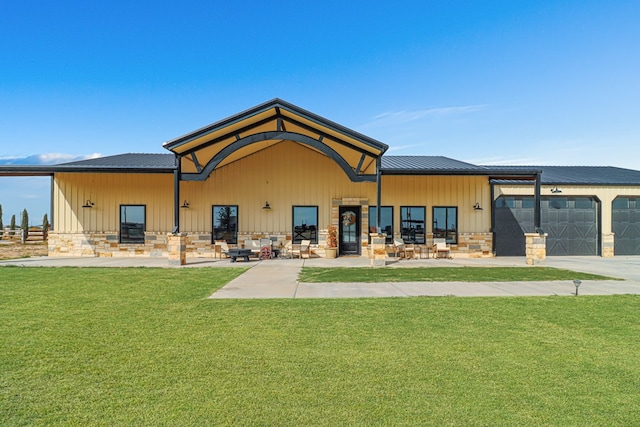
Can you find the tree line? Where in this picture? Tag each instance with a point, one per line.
(24, 223)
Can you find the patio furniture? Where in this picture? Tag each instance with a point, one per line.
(301, 250)
(220, 248)
(287, 250)
(402, 249)
(253, 246)
(441, 248)
(238, 253)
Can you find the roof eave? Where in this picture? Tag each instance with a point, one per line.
(275, 103)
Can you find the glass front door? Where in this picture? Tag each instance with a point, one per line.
(349, 230)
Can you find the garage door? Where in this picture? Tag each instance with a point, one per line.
(572, 225)
(570, 222)
(514, 217)
(626, 225)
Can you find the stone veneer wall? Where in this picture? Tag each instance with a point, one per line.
(105, 244)
(608, 245)
(473, 245)
(198, 245)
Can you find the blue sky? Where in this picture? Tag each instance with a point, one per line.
(488, 82)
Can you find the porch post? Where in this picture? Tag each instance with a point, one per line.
(176, 241)
(537, 207)
(379, 195)
(176, 196)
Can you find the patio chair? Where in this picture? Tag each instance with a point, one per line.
(441, 247)
(287, 250)
(254, 245)
(220, 249)
(301, 250)
(305, 249)
(400, 248)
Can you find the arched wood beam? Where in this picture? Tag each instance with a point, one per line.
(275, 135)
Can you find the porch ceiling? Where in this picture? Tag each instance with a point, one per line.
(273, 122)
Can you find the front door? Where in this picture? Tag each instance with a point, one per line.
(349, 230)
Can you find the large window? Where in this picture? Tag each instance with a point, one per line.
(386, 221)
(225, 223)
(305, 223)
(132, 223)
(445, 223)
(412, 224)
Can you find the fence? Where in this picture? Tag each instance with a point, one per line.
(33, 235)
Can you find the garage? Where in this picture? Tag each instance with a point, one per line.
(625, 217)
(570, 222)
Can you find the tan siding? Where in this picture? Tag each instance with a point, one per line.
(284, 174)
(460, 191)
(108, 191)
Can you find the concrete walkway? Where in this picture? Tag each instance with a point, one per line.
(279, 278)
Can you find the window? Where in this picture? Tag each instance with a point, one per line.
(412, 223)
(386, 221)
(305, 223)
(132, 223)
(225, 223)
(445, 223)
(583, 203)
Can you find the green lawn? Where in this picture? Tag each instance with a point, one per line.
(145, 347)
(442, 274)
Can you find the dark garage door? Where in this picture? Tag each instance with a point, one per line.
(514, 217)
(570, 222)
(626, 225)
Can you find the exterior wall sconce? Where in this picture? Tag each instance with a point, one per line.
(185, 205)
(88, 204)
(556, 190)
(477, 207)
(266, 206)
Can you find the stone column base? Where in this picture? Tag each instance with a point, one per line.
(377, 250)
(177, 248)
(536, 247)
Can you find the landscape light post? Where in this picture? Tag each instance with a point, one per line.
(577, 285)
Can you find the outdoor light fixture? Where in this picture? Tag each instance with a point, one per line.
(556, 190)
(577, 284)
(477, 207)
(266, 206)
(185, 205)
(88, 204)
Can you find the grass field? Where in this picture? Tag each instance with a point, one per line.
(442, 274)
(145, 347)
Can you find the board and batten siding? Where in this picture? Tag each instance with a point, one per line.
(108, 191)
(462, 192)
(285, 174)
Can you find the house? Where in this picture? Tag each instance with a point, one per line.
(278, 171)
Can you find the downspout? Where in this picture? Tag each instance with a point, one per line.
(176, 196)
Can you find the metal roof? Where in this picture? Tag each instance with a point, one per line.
(439, 165)
(130, 162)
(581, 175)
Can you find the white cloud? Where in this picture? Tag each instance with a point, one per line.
(392, 118)
(46, 158)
